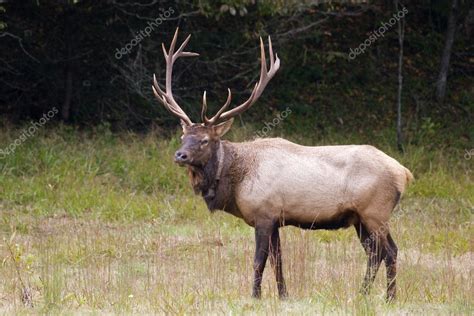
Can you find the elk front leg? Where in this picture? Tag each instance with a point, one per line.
(262, 244)
(275, 261)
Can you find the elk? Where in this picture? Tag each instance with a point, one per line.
(272, 182)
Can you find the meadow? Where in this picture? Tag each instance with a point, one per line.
(99, 222)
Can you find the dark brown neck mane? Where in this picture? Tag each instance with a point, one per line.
(218, 194)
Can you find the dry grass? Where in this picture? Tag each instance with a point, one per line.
(86, 265)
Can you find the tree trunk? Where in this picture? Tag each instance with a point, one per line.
(401, 36)
(66, 108)
(69, 67)
(444, 67)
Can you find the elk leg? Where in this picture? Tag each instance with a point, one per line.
(262, 241)
(374, 248)
(275, 261)
(391, 266)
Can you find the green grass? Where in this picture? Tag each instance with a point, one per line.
(101, 222)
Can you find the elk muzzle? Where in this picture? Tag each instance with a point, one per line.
(181, 157)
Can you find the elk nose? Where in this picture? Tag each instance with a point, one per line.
(180, 156)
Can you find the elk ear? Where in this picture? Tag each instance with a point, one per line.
(222, 128)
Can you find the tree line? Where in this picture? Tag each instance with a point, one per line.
(94, 60)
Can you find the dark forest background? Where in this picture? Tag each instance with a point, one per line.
(63, 54)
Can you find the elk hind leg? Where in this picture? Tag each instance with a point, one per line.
(373, 244)
(391, 266)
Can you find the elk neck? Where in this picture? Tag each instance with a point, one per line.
(211, 180)
(216, 180)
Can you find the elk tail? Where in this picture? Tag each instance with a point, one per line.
(409, 176)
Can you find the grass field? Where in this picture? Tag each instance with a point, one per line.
(95, 222)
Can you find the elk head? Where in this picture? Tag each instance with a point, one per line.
(201, 140)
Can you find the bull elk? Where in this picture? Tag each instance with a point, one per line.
(272, 182)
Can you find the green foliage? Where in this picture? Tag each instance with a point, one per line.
(66, 171)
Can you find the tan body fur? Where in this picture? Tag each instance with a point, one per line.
(312, 186)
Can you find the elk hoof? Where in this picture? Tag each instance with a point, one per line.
(257, 294)
(283, 296)
(391, 298)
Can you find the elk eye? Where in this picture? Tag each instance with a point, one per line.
(204, 142)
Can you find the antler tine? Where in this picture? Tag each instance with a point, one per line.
(162, 98)
(204, 108)
(180, 53)
(214, 119)
(226, 104)
(157, 86)
(165, 53)
(263, 61)
(173, 42)
(167, 97)
(270, 50)
(265, 77)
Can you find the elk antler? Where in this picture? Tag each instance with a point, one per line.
(167, 97)
(265, 77)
